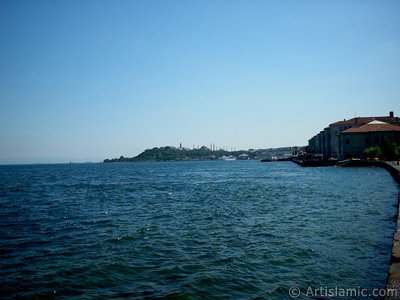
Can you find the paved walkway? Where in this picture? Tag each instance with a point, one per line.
(394, 270)
(395, 164)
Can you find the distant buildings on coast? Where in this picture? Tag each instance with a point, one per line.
(212, 147)
(349, 138)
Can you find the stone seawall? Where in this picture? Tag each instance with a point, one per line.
(393, 167)
(393, 281)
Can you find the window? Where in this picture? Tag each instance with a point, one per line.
(376, 140)
(366, 141)
(347, 141)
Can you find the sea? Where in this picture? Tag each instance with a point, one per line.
(193, 230)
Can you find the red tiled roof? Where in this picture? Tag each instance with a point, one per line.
(365, 120)
(371, 127)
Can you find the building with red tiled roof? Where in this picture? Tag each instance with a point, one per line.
(356, 139)
(364, 120)
(373, 126)
(329, 141)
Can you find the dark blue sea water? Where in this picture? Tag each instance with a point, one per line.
(192, 230)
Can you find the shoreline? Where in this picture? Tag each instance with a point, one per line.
(393, 280)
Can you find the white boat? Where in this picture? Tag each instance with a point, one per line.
(228, 158)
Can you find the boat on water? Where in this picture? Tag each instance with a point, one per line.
(315, 163)
(228, 158)
(313, 160)
(274, 159)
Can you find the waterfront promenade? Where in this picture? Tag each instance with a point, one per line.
(393, 281)
(394, 164)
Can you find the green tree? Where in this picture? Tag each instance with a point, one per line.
(373, 152)
(390, 149)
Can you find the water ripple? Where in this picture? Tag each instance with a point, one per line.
(240, 230)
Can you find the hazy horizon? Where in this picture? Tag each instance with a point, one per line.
(67, 160)
(88, 80)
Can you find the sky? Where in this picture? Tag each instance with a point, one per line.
(88, 80)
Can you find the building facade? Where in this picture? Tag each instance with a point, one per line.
(330, 141)
(355, 140)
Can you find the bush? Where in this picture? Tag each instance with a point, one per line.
(373, 152)
(390, 150)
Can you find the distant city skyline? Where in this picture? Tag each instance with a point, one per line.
(88, 80)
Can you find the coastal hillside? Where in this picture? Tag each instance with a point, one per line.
(169, 153)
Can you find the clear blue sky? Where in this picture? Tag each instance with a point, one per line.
(88, 80)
